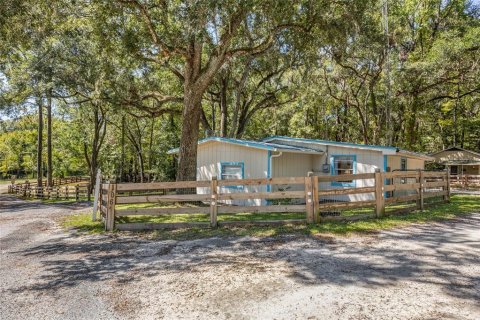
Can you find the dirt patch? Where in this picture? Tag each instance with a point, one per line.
(427, 271)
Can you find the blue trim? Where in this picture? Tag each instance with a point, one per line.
(348, 144)
(233, 164)
(332, 170)
(269, 172)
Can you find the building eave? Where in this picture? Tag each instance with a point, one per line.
(253, 144)
(383, 149)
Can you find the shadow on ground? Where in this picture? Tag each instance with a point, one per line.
(15, 204)
(439, 254)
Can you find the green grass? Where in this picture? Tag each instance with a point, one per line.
(459, 205)
(82, 222)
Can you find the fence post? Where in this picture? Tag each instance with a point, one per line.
(447, 188)
(88, 193)
(213, 202)
(111, 198)
(96, 198)
(316, 200)
(422, 184)
(379, 194)
(308, 200)
(77, 192)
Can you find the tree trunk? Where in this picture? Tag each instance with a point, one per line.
(223, 107)
(49, 140)
(122, 163)
(141, 165)
(187, 157)
(39, 142)
(150, 146)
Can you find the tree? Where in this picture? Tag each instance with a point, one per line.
(193, 41)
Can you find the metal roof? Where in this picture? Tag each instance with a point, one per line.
(265, 144)
(329, 142)
(415, 154)
(256, 144)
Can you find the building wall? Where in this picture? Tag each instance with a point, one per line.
(468, 169)
(299, 165)
(394, 163)
(211, 155)
(366, 162)
(292, 165)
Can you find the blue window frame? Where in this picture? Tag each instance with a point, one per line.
(343, 164)
(232, 171)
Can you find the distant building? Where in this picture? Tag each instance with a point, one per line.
(459, 161)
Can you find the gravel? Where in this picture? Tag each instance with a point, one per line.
(426, 271)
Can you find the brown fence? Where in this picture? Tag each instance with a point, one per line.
(310, 199)
(55, 181)
(465, 181)
(76, 188)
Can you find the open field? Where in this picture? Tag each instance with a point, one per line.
(422, 271)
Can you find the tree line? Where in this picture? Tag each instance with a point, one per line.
(115, 84)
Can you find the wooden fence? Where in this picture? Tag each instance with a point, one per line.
(311, 197)
(77, 188)
(55, 181)
(465, 181)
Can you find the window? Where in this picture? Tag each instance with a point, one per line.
(231, 171)
(342, 165)
(403, 164)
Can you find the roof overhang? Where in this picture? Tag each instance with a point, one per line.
(460, 163)
(456, 149)
(384, 149)
(414, 155)
(256, 145)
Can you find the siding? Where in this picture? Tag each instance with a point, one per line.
(367, 162)
(292, 165)
(211, 155)
(393, 162)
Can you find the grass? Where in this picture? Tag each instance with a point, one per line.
(83, 222)
(459, 205)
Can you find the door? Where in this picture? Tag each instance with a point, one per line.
(454, 170)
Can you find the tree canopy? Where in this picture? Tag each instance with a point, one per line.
(129, 79)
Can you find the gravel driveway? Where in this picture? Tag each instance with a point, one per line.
(422, 272)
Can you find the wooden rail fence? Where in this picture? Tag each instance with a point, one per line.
(310, 195)
(61, 190)
(465, 181)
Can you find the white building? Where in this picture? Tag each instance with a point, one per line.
(280, 156)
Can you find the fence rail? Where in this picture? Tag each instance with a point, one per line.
(465, 181)
(61, 190)
(312, 199)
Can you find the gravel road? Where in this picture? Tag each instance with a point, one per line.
(427, 271)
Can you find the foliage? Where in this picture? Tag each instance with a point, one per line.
(130, 79)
